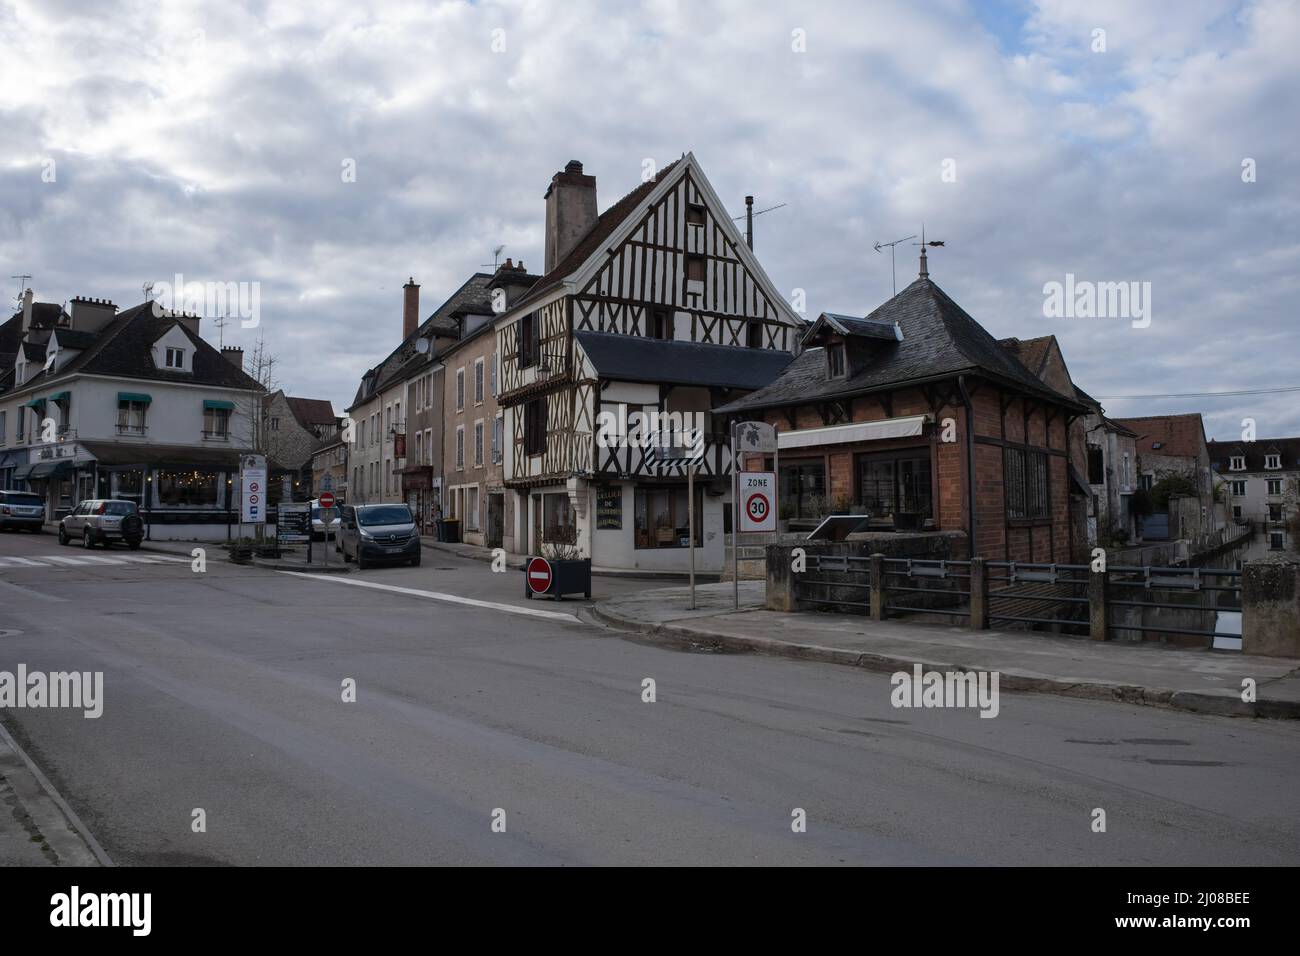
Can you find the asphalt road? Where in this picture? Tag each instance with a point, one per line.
(223, 691)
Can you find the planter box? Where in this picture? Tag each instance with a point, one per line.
(567, 577)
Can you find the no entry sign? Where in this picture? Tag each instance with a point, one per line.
(757, 501)
(326, 500)
(539, 575)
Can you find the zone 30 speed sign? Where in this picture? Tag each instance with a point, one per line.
(757, 501)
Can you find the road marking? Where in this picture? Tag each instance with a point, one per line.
(62, 560)
(82, 559)
(439, 596)
(27, 561)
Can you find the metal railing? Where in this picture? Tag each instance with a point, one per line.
(1070, 597)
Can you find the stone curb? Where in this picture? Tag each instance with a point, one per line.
(701, 577)
(1226, 705)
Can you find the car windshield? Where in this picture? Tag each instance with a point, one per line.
(13, 499)
(119, 508)
(384, 514)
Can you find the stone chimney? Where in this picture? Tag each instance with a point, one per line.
(410, 308)
(27, 311)
(235, 355)
(570, 211)
(90, 315)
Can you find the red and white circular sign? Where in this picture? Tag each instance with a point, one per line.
(758, 506)
(327, 500)
(539, 575)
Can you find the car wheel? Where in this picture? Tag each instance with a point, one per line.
(133, 545)
(38, 530)
(87, 541)
(63, 536)
(415, 561)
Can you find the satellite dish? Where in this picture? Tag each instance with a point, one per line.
(422, 346)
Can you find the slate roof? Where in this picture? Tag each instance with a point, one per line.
(635, 359)
(1254, 452)
(72, 339)
(123, 349)
(1177, 435)
(404, 361)
(939, 341)
(601, 230)
(312, 411)
(866, 328)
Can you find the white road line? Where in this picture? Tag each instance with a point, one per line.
(28, 562)
(439, 596)
(86, 558)
(157, 557)
(62, 560)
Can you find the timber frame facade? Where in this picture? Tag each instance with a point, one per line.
(660, 306)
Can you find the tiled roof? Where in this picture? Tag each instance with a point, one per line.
(1254, 452)
(1177, 435)
(311, 411)
(939, 341)
(605, 224)
(1031, 353)
(635, 359)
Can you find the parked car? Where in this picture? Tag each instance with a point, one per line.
(318, 523)
(369, 534)
(103, 521)
(22, 510)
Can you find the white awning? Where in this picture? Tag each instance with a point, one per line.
(907, 427)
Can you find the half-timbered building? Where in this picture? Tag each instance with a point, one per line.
(647, 318)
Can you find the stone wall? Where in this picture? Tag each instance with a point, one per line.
(1270, 607)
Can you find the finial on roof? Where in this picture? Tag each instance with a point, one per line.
(925, 268)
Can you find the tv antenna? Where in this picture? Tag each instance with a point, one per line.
(880, 246)
(221, 322)
(748, 215)
(23, 280)
(496, 258)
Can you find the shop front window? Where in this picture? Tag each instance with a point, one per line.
(803, 490)
(559, 525)
(895, 484)
(128, 485)
(663, 518)
(186, 489)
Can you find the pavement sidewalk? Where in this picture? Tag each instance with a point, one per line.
(37, 828)
(514, 560)
(1203, 681)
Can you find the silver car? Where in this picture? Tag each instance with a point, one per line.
(318, 531)
(21, 509)
(103, 521)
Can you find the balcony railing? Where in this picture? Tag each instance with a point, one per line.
(216, 436)
(132, 429)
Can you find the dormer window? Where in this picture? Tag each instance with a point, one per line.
(835, 360)
(1272, 461)
(1237, 463)
(695, 215)
(176, 358)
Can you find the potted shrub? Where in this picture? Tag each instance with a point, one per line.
(570, 571)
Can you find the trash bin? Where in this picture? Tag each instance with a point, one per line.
(440, 529)
(451, 530)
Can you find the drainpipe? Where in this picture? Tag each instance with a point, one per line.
(970, 462)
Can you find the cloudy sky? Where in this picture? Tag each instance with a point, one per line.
(1104, 139)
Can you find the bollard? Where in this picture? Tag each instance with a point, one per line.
(1097, 612)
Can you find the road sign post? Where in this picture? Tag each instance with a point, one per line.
(326, 504)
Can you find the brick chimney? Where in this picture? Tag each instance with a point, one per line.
(235, 355)
(410, 308)
(570, 211)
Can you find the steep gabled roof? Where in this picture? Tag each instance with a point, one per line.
(1178, 435)
(939, 341)
(848, 325)
(601, 229)
(312, 411)
(635, 359)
